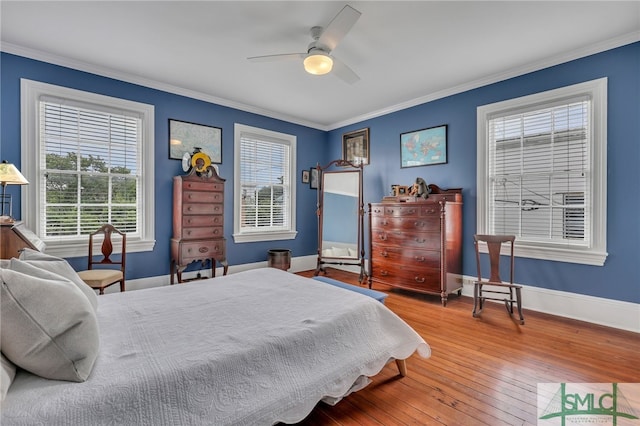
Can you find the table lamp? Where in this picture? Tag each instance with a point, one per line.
(9, 175)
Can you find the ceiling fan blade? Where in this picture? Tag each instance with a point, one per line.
(343, 72)
(281, 57)
(339, 27)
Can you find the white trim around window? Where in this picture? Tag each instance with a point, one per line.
(270, 230)
(32, 92)
(593, 251)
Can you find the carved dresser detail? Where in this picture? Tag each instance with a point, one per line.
(416, 243)
(198, 219)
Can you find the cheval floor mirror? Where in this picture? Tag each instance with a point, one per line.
(340, 212)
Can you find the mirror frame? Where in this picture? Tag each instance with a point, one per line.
(327, 260)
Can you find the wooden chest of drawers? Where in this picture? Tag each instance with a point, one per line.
(417, 245)
(198, 222)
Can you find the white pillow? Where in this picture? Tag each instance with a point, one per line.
(48, 326)
(340, 251)
(60, 267)
(327, 253)
(353, 252)
(7, 374)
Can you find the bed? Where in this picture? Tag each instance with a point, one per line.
(253, 348)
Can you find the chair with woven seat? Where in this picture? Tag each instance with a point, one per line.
(497, 289)
(100, 273)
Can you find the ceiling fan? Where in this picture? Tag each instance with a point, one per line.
(317, 59)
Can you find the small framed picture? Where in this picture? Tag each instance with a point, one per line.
(355, 147)
(185, 137)
(305, 176)
(314, 178)
(424, 147)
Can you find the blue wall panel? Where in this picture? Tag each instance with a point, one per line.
(617, 279)
(311, 146)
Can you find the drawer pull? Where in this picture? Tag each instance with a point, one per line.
(189, 208)
(412, 211)
(384, 253)
(420, 258)
(419, 279)
(203, 249)
(385, 222)
(420, 240)
(419, 224)
(384, 273)
(383, 237)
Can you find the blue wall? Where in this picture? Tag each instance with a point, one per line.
(311, 148)
(618, 279)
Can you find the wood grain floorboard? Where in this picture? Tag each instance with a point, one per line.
(482, 371)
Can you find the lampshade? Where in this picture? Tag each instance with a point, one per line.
(10, 175)
(318, 62)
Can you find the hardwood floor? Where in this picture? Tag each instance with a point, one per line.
(482, 371)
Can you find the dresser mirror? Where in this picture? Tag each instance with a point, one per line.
(340, 216)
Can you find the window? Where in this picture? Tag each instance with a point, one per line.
(89, 160)
(542, 173)
(264, 189)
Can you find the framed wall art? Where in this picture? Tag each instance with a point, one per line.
(185, 136)
(305, 176)
(355, 146)
(424, 147)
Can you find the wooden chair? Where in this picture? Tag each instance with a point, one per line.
(102, 277)
(495, 283)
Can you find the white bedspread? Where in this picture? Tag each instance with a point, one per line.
(252, 348)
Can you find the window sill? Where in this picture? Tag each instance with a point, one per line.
(558, 254)
(80, 249)
(264, 236)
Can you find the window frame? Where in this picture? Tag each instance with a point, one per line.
(31, 93)
(262, 235)
(596, 252)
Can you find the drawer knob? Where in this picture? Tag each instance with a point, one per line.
(419, 279)
(384, 253)
(420, 258)
(383, 237)
(419, 224)
(421, 240)
(385, 222)
(412, 211)
(384, 273)
(203, 249)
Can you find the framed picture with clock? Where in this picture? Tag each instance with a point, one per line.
(185, 137)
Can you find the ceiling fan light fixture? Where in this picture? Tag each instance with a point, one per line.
(318, 63)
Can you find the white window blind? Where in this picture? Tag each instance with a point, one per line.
(539, 168)
(542, 172)
(264, 201)
(90, 169)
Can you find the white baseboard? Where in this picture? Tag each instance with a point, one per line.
(597, 310)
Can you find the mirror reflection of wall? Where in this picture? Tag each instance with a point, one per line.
(340, 214)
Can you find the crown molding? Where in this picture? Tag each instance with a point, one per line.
(495, 78)
(146, 82)
(491, 79)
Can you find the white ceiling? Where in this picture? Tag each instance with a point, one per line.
(405, 53)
